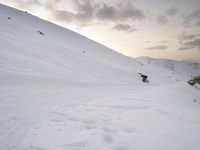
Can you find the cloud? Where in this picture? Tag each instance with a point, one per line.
(50, 4)
(192, 19)
(188, 37)
(124, 27)
(82, 14)
(188, 45)
(189, 41)
(157, 47)
(26, 3)
(162, 20)
(120, 12)
(172, 11)
(164, 41)
(106, 12)
(183, 37)
(126, 11)
(63, 16)
(86, 11)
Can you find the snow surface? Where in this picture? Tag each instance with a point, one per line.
(62, 91)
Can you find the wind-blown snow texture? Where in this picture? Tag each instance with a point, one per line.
(62, 91)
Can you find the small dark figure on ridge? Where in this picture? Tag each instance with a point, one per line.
(144, 77)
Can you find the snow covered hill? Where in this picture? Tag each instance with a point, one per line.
(167, 70)
(59, 55)
(62, 91)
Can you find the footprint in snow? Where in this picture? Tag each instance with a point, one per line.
(77, 146)
(89, 121)
(34, 148)
(121, 147)
(108, 138)
(89, 124)
(109, 130)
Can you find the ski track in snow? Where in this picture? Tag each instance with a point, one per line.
(90, 118)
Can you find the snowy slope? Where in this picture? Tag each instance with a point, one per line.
(62, 91)
(58, 56)
(169, 70)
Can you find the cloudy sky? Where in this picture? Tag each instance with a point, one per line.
(156, 28)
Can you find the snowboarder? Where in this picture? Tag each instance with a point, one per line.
(144, 77)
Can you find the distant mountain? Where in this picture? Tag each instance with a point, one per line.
(179, 70)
